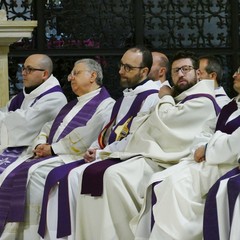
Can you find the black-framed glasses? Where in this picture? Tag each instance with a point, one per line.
(28, 70)
(184, 69)
(127, 67)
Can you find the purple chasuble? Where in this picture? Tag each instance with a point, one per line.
(11, 204)
(64, 224)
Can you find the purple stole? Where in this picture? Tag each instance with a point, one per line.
(91, 184)
(197, 95)
(210, 222)
(18, 100)
(60, 174)
(92, 180)
(222, 124)
(102, 135)
(126, 120)
(210, 217)
(10, 154)
(13, 189)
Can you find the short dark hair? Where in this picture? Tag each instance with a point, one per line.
(147, 59)
(187, 54)
(214, 65)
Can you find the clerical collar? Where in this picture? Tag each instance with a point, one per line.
(30, 89)
(139, 84)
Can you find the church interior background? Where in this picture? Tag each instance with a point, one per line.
(103, 29)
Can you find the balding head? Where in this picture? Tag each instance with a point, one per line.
(159, 67)
(42, 61)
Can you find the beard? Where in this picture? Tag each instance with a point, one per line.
(178, 89)
(131, 82)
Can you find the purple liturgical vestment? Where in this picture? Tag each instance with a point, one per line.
(61, 173)
(13, 188)
(210, 226)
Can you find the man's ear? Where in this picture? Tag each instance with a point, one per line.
(198, 74)
(213, 75)
(162, 71)
(93, 76)
(145, 71)
(45, 75)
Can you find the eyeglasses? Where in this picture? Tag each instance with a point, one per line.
(28, 70)
(184, 69)
(127, 67)
(75, 73)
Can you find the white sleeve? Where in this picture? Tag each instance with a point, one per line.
(223, 148)
(204, 137)
(43, 136)
(23, 125)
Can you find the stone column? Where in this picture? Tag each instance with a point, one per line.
(10, 32)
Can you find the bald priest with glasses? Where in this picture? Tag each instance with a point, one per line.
(24, 115)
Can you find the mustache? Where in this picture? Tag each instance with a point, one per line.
(182, 79)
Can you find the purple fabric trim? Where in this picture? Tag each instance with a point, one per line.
(132, 112)
(59, 118)
(81, 118)
(16, 102)
(210, 219)
(92, 184)
(51, 90)
(13, 188)
(16, 203)
(216, 106)
(233, 189)
(154, 200)
(58, 174)
(101, 136)
(225, 113)
(8, 156)
(92, 179)
(116, 107)
(220, 95)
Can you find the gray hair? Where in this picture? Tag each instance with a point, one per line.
(94, 66)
